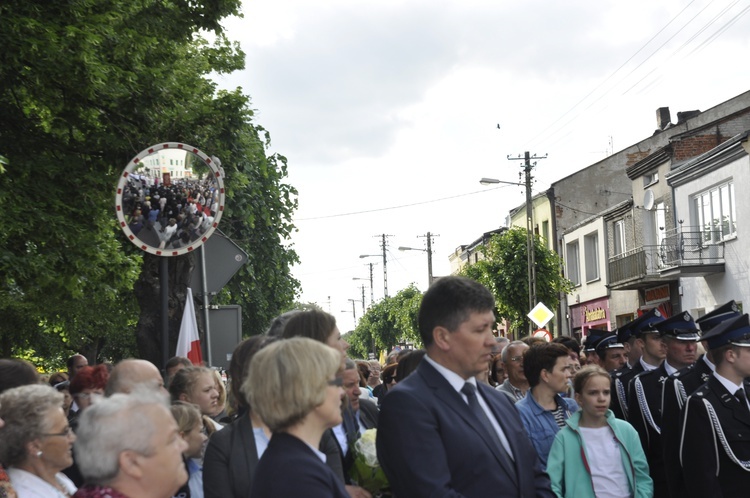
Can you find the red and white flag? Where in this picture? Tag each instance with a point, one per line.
(189, 343)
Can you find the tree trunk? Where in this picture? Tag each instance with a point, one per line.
(148, 293)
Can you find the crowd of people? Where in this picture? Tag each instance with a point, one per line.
(170, 215)
(629, 413)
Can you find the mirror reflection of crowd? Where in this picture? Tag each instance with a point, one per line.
(169, 216)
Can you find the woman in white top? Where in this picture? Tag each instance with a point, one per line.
(37, 441)
(597, 455)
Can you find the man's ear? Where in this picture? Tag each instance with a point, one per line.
(442, 338)
(130, 464)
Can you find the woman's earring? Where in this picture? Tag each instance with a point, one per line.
(39, 453)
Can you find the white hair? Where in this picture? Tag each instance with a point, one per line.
(111, 426)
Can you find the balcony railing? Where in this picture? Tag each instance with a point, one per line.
(679, 248)
(691, 247)
(636, 263)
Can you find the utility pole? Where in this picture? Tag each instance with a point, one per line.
(363, 299)
(429, 237)
(530, 256)
(372, 292)
(354, 313)
(384, 246)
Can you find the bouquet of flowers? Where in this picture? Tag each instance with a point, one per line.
(366, 471)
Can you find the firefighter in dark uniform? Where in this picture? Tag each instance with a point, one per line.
(589, 345)
(610, 352)
(715, 437)
(681, 336)
(677, 388)
(640, 328)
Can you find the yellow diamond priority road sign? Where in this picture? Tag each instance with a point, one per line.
(540, 315)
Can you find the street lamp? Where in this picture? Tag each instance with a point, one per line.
(429, 257)
(529, 221)
(493, 181)
(529, 237)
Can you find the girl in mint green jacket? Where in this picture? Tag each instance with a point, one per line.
(596, 454)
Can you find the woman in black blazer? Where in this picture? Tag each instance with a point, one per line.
(232, 454)
(294, 387)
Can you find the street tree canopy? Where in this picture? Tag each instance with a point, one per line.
(387, 323)
(504, 270)
(84, 86)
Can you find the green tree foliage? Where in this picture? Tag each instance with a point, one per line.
(387, 323)
(84, 86)
(505, 272)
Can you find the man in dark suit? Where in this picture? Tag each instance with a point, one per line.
(715, 439)
(440, 432)
(358, 415)
(680, 335)
(677, 388)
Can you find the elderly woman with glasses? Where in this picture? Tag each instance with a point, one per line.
(294, 387)
(37, 441)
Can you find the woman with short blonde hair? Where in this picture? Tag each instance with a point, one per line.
(294, 387)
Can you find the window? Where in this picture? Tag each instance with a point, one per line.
(650, 179)
(545, 230)
(715, 213)
(619, 229)
(571, 255)
(591, 253)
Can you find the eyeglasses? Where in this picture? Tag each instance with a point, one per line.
(516, 358)
(336, 382)
(65, 433)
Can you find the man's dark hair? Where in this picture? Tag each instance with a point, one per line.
(719, 354)
(541, 357)
(178, 360)
(15, 373)
(448, 303)
(313, 324)
(239, 364)
(71, 361)
(569, 343)
(408, 363)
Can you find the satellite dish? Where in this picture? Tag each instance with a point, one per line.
(648, 200)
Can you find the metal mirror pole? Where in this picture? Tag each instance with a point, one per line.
(204, 291)
(164, 284)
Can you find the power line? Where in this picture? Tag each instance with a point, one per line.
(600, 85)
(559, 127)
(401, 206)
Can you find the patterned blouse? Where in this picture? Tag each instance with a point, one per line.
(90, 491)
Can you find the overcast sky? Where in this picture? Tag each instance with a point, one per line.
(389, 109)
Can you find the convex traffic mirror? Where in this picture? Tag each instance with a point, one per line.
(170, 198)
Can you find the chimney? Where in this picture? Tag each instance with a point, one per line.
(663, 118)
